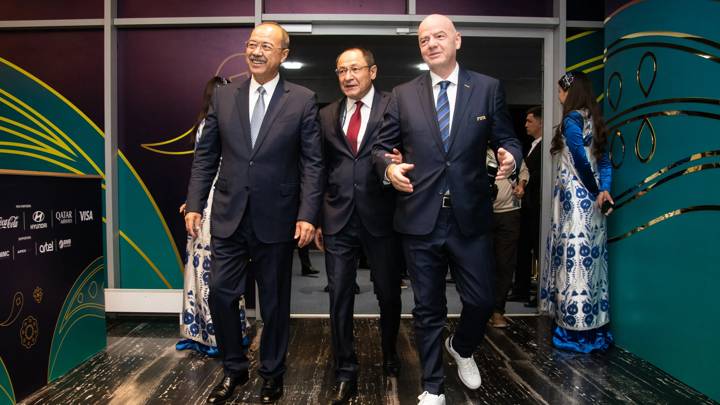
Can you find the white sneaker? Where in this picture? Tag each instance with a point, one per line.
(427, 398)
(466, 367)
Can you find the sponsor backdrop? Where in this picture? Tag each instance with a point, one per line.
(52, 308)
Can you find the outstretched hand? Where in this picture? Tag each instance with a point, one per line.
(506, 162)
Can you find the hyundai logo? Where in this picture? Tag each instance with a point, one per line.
(38, 216)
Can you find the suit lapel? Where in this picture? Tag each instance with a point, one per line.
(338, 114)
(462, 100)
(427, 103)
(376, 116)
(242, 102)
(280, 96)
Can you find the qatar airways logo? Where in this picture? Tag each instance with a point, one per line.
(10, 222)
(64, 217)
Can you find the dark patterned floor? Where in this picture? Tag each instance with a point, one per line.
(518, 366)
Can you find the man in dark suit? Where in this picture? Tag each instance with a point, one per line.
(442, 122)
(530, 235)
(268, 192)
(357, 214)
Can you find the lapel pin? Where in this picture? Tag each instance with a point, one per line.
(467, 85)
(480, 118)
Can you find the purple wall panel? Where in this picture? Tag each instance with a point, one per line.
(50, 9)
(515, 8)
(336, 7)
(161, 78)
(585, 10)
(612, 6)
(185, 8)
(71, 62)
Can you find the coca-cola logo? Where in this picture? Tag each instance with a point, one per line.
(10, 222)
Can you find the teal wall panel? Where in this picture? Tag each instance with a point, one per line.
(662, 103)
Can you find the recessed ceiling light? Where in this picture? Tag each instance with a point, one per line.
(292, 65)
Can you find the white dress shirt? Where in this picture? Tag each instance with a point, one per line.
(253, 94)
(451, 90)
(534, 144)
(350, 106)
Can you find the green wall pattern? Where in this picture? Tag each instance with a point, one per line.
(81, 322)
(663, 96)
(40, 130)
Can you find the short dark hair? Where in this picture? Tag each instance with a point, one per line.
(366, 53)
(536, 111)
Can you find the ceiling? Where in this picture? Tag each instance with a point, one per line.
(515, 61)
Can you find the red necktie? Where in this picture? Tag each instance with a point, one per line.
(354, 127)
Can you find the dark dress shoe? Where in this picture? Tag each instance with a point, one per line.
(356, 289)
(272, 390)
(225, 389)
(391, 366)
(309, 271)
(344, 392)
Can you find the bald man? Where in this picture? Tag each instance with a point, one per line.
(442, 122)
(266, 132)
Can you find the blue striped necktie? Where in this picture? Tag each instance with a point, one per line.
(443, 113)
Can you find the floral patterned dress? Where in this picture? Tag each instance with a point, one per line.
(574, 284)
(196, 324)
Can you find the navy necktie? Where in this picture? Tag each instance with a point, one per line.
(443, 113)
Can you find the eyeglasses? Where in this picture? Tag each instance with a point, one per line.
(354, 70)
(265, 46)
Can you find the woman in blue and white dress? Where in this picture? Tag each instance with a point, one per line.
(196, 324)
(574, 284)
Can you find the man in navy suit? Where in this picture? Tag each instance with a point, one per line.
(357, 214)
(267, 199)
(442, 122)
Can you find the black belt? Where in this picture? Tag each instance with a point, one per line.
(446, 202)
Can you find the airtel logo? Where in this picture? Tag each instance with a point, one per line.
(38, 216)
(46, 247)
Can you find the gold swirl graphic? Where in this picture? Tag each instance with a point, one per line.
(29, 332)
(645, 91)
(694, 100)
(620, 9)
(669, 34)
(15, 309)
(614, 103)
(38, 294)
(692, 158)
(687, 49)
(661, 218)
(667, 113)
(155, 146)
(689, 170)
(617, 135)
(653, 141)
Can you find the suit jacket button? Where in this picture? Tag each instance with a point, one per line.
(447, 164)
(355, 185)
(252, 163)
